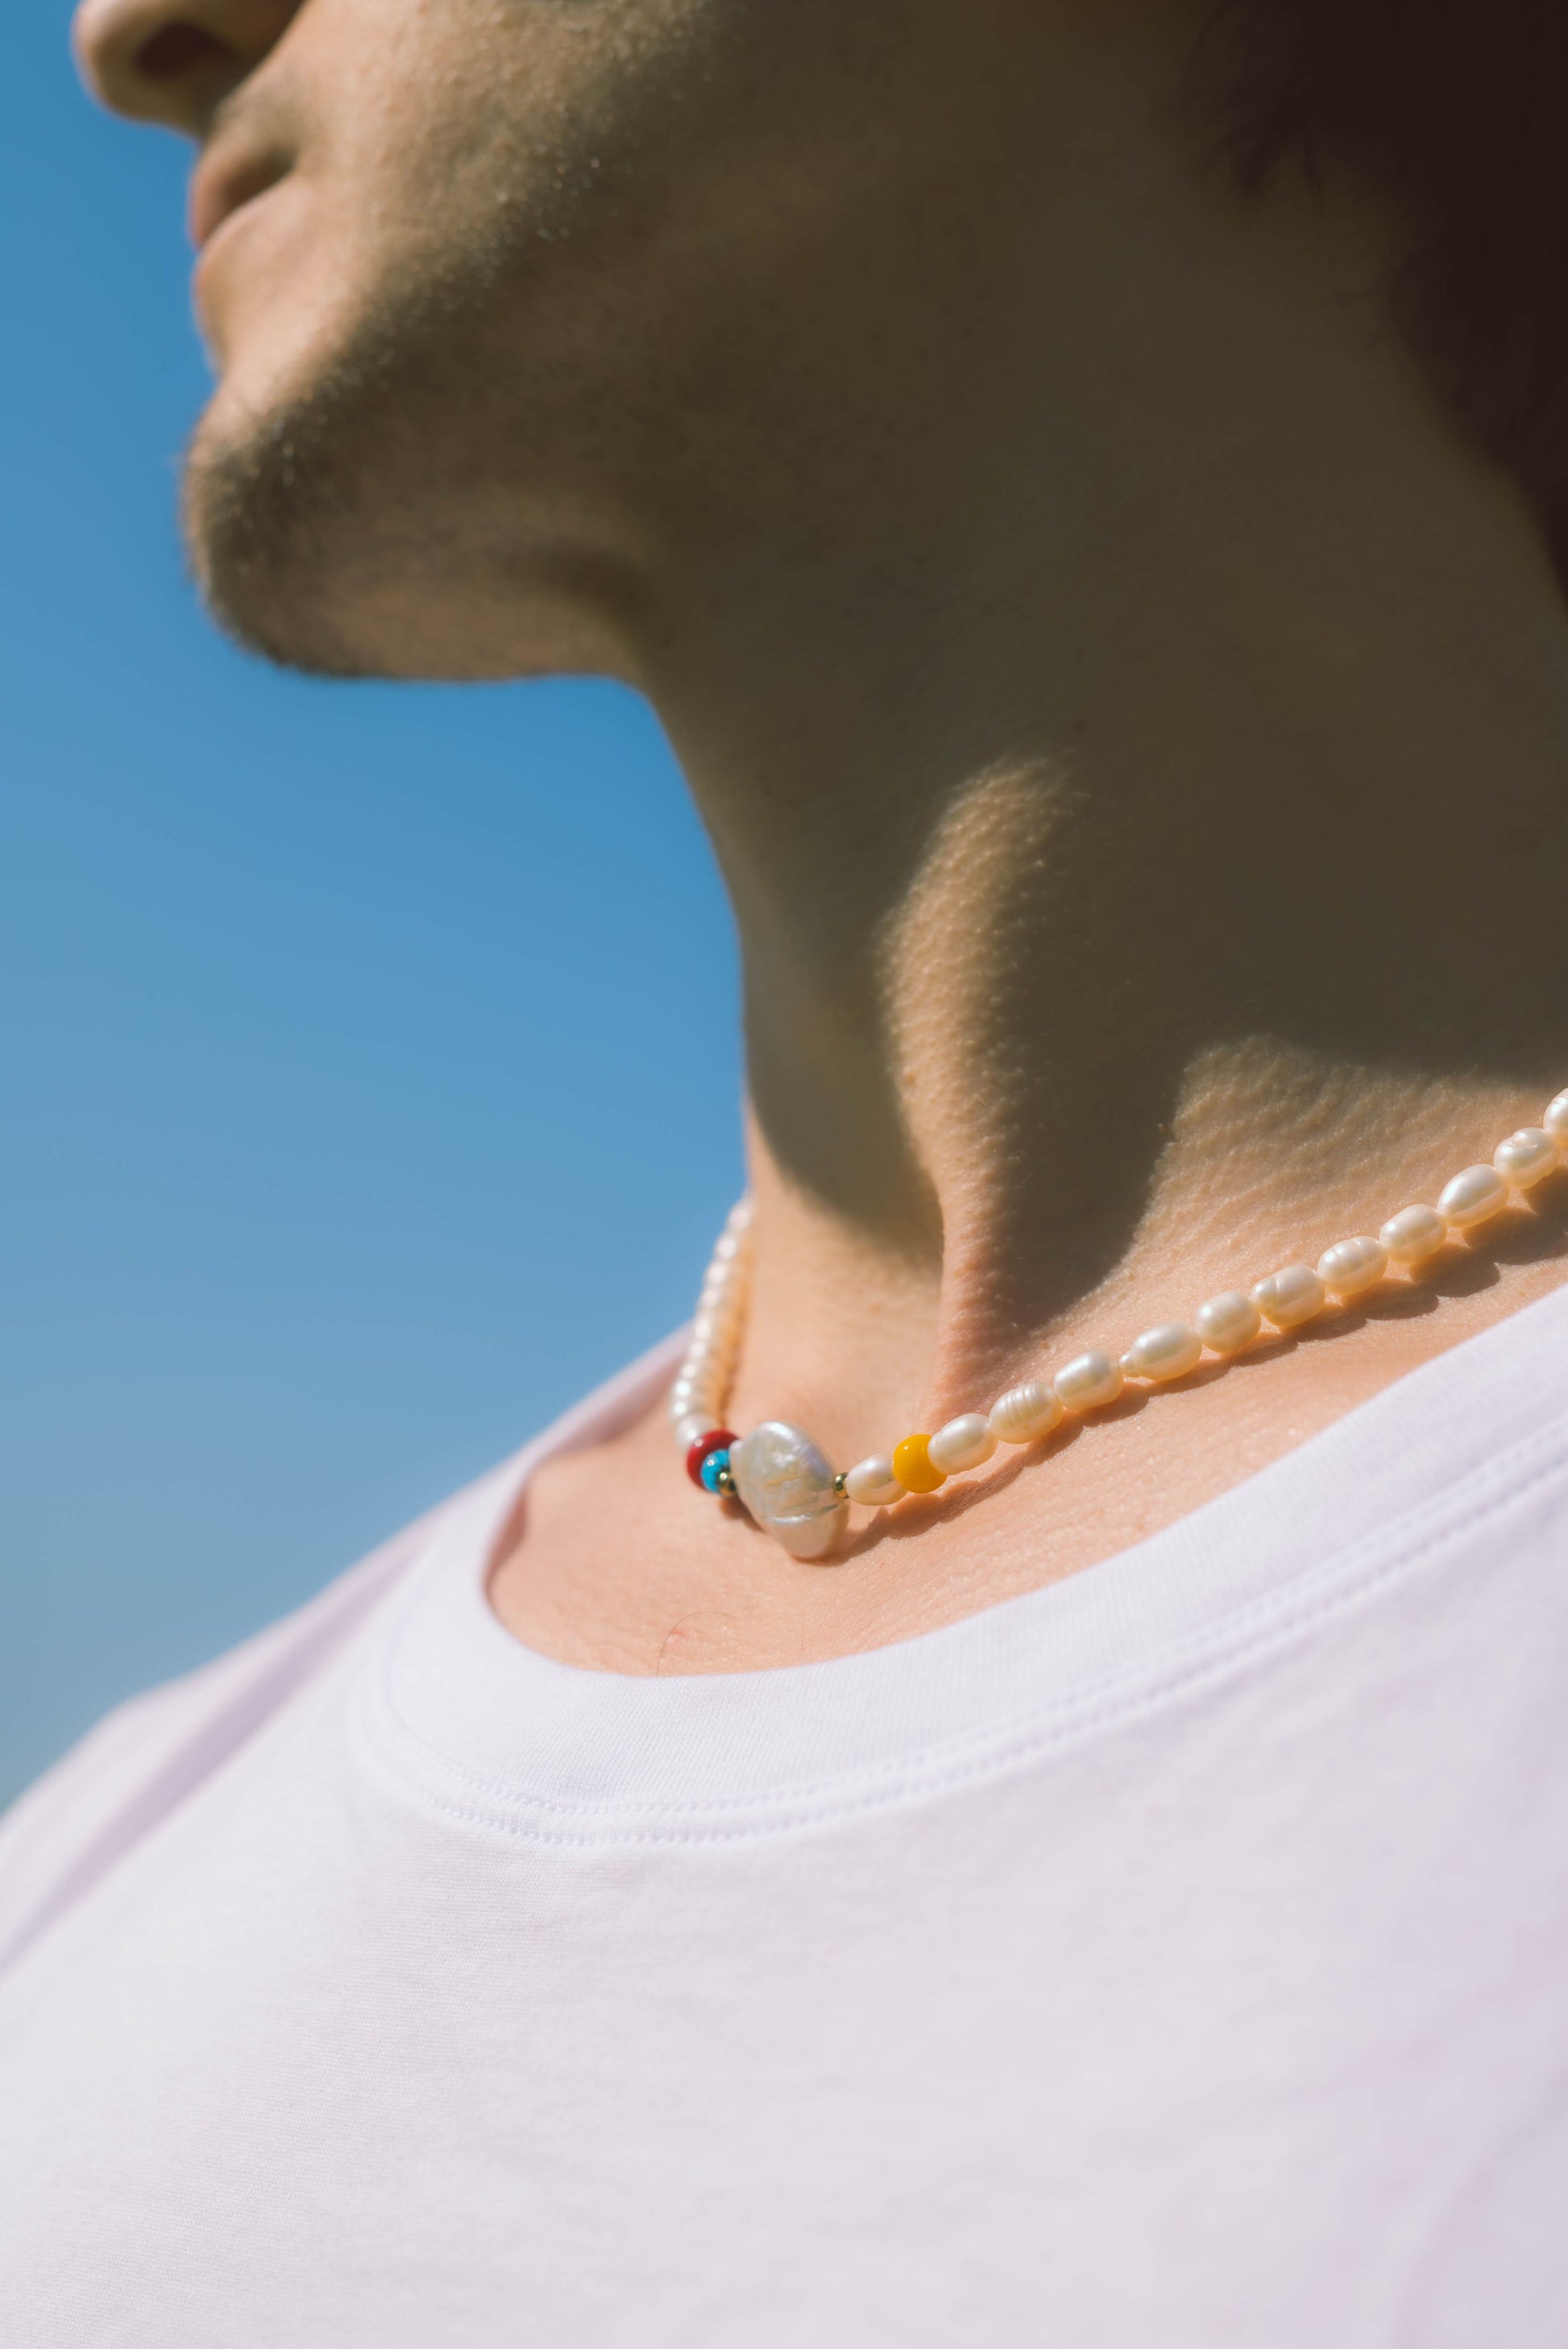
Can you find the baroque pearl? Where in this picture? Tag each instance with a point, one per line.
(965, 1443)
(1088, 1380)
(1351, 1265)
(1414, 1235)
(1554, 1118)
(1526, 1156)
(787, 1484)
(1288, 1298)
(1025, 1414)
(1472, 1197)
(872, 1484)
(1228, 1323)
(1168, 1351)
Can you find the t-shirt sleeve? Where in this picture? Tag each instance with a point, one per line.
(147, 1756)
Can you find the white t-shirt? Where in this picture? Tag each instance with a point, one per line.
(1174, 1958)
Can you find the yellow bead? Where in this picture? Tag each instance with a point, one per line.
(914, 1466)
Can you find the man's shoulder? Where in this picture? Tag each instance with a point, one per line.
(149, 1755)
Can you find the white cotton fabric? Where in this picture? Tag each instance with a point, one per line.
(1174, 1958)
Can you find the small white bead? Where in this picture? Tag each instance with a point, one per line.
(1526, 1156)
(1554, 1118)
(1088, 1380)
(1351, 1265)
(1414, 1235)
(1025, 1414)
(717, 1331)
(872, 1483)
(965, 1443)
(1168, 1351)
(1290, 1296)
(1228, 1323)
(1472, 1197)
(687, 1430)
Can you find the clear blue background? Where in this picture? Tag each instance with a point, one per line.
(368, 1053)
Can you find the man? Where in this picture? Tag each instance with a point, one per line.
(1079, 483)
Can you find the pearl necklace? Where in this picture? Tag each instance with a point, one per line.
(788, 1485)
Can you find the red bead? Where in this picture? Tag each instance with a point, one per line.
(715, 1441)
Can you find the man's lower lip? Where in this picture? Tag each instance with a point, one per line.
(223, 236)
(240, 213)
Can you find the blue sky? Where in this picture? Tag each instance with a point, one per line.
(369, 1054)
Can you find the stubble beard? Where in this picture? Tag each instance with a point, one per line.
(321, 531)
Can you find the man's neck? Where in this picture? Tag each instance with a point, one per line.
(1148, 850)
(1135, 735)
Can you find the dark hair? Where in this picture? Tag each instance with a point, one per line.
(1459, 110)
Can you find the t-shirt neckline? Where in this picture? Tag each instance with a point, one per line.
(497, 1735)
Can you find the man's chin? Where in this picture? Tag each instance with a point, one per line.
(322, 562)
(322, 539)
(288, 533)
(272, 501)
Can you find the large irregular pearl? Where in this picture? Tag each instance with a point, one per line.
(1351, 1265)
(1290, 1296)
(872, 1484)
(1169, 1351)
(1414, 1235)
(1472, 1197)
(787, 1484)
(1228, 1323)
(1526, 1156)
(965, 1443)
(1554, 1118)
(1088, 1380)
(1025, 1414)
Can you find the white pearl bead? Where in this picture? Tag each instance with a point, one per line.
(1414, 1235)
(687, 1430)
(872, 1483)
(1290, 1296)
(1351, 1265)
(1526, 1156)
(715, 1330)
(1554, 1118)
(1228, 1323)
(1472, 1197)
(1025, 1414)
(1088, 1380)
(965, 1443)
(1167, 1352)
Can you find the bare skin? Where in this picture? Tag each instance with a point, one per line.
(1133, 728)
